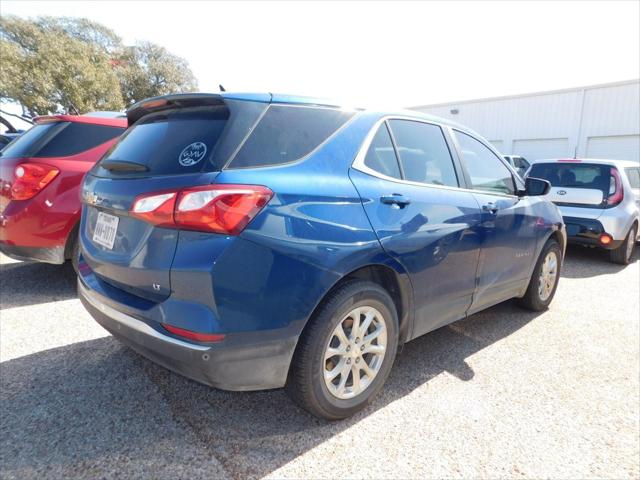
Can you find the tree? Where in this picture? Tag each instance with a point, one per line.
(59, 65)
(47, 70)
(146, 70)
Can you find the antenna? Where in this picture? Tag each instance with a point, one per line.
(222, 88)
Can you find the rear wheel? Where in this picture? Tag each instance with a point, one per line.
(544, 280)
(624, 252)
(75, 253)
(346, 352)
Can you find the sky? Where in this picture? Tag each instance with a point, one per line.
(383, 53)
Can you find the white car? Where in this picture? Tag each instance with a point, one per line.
(599, 201)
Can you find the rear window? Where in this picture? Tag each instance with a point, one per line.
(575, 175)
(172, 141)
(59, 139)
(287, 133)
(184, 140)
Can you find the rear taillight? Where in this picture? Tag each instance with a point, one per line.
(211, 208)
(190, 335)
(30, 178)
(605, 239)
(616, 190)
(156, 209)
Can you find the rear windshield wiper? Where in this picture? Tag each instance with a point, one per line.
(123, 166)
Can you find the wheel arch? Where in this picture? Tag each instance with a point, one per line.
(73, 234)
(394, 279)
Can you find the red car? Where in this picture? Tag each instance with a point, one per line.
(40, 176)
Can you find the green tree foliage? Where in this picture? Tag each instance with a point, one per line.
(146, 70)
(59, 65)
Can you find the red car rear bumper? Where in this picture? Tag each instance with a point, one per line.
(37, 229)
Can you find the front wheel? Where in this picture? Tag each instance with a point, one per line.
(623, 254)
(346, 351)
(544, 280)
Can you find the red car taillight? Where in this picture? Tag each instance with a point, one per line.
(211, 208)
(30, 178)
(617, 195)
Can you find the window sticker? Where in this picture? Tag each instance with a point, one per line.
(192, 154)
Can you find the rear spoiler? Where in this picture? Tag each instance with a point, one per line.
(166, 102)
(110, 122)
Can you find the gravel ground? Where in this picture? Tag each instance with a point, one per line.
(505, 393)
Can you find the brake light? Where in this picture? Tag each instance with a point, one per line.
(190, 335)
(225, 208)
(605, 239)
(156, 209)
(30, 178)
(570, 160)
(222, 208)
(617, 195)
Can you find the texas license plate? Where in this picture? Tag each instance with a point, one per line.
(105, 231)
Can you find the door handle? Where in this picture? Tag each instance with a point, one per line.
(490, 207)
(395, 199)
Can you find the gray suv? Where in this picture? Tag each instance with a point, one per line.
(599, 201)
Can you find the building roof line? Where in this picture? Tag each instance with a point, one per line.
(531, 94)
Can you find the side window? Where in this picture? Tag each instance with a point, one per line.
(487, 172)
(287, 133)
(634, 177)
(381, 156)
(424, 154)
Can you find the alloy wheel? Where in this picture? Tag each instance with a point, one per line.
(355, 352)
(548, 275)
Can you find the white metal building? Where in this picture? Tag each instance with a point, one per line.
(599, 121)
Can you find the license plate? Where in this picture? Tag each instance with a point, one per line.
(105, 231)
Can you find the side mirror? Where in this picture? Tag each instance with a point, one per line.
(536, 187)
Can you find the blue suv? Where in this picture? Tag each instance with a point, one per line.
(255, 241)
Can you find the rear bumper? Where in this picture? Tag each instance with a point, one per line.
(586, 231)
(47, 255)
(243, 361)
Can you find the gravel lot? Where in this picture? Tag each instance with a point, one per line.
(505, 393)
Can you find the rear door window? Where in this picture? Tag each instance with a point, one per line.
(60, 139)
(424, 154)
(287, 133)
(486, 170)
(381, 155)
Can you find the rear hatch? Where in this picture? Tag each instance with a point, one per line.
(173, 142)
(578, 184)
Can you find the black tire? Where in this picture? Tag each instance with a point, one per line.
(532, 299)
(75, 253)
(306, 384)
(622, 255)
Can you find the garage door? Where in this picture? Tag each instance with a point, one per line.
(498, 145)
(533, 149)
(618, 147)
